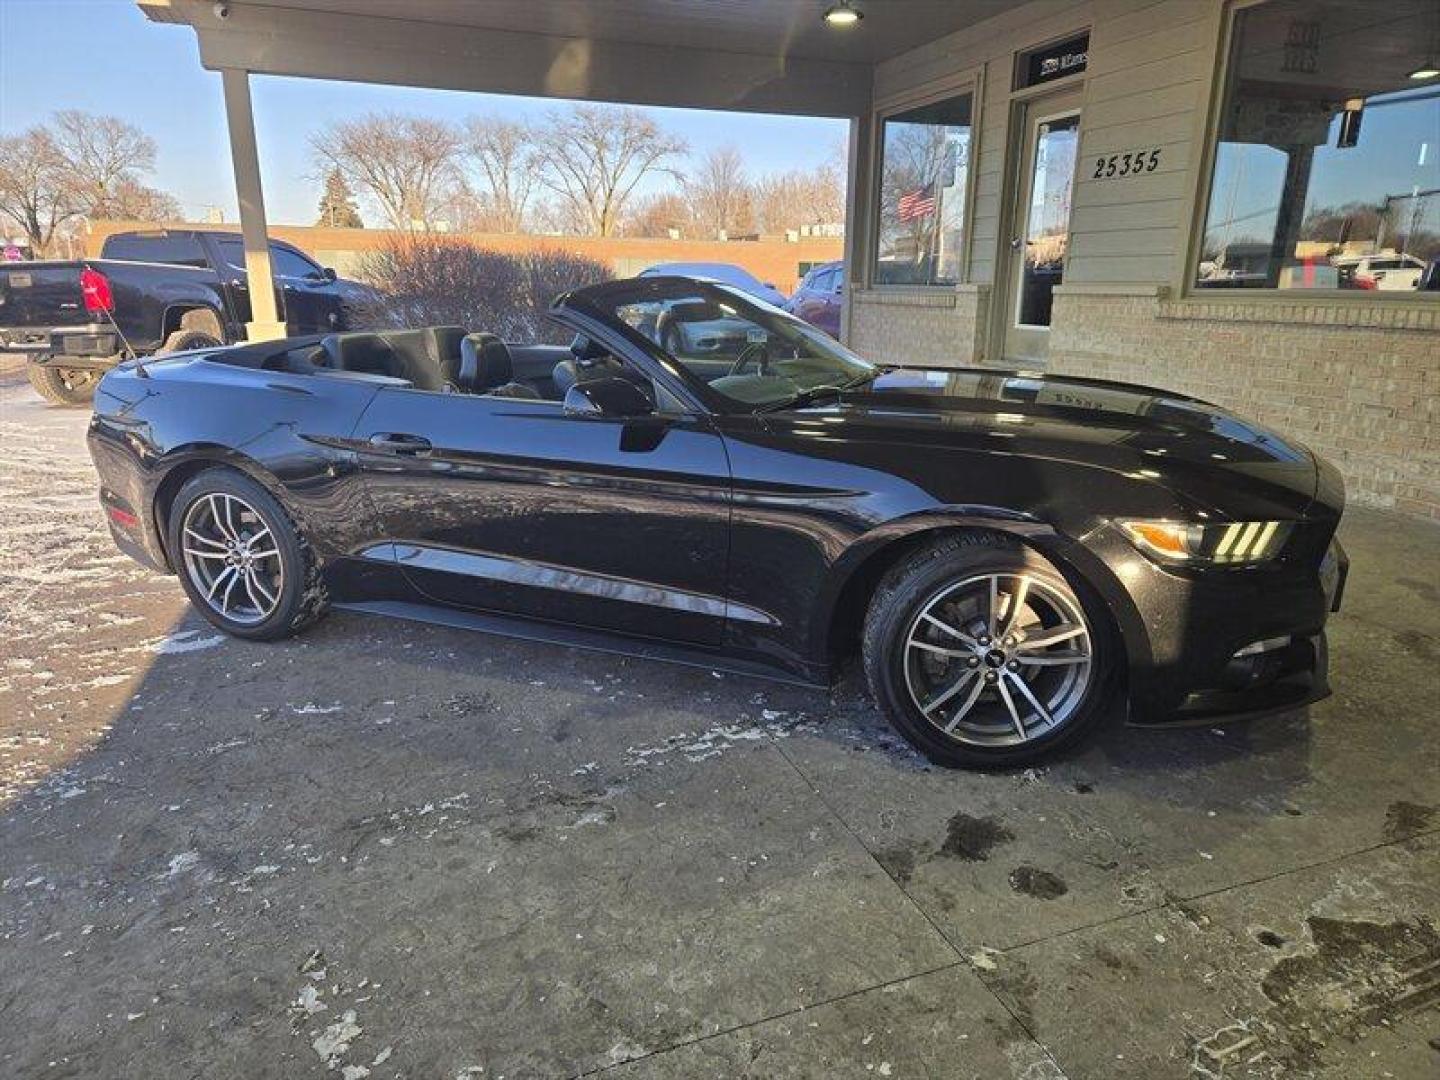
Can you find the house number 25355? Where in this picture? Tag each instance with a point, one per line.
(1137, 161)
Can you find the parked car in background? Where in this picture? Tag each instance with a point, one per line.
(818, 298)
(1387, 271)
(160, 290)
(768, 514)
(701, 329)
(725, 273)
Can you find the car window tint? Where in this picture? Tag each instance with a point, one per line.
(287, 263)
(176, 250)
(232, 250)
(750, 352)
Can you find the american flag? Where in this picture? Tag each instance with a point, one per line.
(918, 203)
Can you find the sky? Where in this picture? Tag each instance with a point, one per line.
(104, 56)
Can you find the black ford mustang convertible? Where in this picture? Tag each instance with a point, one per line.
(1009, 552)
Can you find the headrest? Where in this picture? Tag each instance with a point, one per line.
(443, 343)
(369, 354)
(489, 359)
(587, 350)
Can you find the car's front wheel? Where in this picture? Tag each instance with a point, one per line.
(242, 561)
(981, 653)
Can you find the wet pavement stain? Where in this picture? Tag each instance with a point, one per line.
(898, 861)
(1359, 974)
(1404, 819)
(1419, 645)
(1040, 884)
(1270, 939)
(973, 838)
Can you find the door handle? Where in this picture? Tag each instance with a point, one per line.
(1015, 243)
(396, 442)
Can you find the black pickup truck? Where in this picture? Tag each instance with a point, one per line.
(155, 291)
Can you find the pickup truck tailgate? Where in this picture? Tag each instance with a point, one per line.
(40, 295)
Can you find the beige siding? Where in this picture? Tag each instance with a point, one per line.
(1147, 79)
(1146, 87)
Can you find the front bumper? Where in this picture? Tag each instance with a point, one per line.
(1222, 644)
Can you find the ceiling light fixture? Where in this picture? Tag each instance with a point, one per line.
(1428, 70)
(842, 14)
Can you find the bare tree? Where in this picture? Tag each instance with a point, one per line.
(594, 157)
(406, 165)
(105, 157)
(800, 197)
(504, 158)
(131, 200)
(35, 189)
(719, 192)
(658, 214)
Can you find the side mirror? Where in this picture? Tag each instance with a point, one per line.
(608, 397)
(328, 273)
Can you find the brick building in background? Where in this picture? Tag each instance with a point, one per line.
(773, 259)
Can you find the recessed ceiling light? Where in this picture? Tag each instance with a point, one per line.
(1428, 70)
(842, 14)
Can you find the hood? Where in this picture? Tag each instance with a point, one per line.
(1140, 434)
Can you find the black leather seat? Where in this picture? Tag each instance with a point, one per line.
(587, 360)
(443, 345)
(485, 363)
(367, 354)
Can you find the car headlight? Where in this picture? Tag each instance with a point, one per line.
(1231, 543)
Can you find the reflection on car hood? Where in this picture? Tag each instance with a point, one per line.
(1137, 430)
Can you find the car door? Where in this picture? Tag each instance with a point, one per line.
(515, 506)
(311, 304)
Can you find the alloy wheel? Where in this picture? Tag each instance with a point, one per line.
(998, 659)
(232, 558)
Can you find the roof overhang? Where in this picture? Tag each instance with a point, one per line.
(773, 56)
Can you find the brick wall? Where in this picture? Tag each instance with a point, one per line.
(1360, 386)
(933, 328)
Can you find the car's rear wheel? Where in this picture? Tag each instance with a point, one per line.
(242, 561)
(61, 385)
(981, 653)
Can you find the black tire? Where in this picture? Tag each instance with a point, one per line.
(925, 578)
(72, 387)
(301, 598)
(187, 338)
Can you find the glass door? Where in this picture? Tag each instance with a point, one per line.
(1041, 226)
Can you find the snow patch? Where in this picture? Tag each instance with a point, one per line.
(185, 861)
(336, 1039)
(185, 641)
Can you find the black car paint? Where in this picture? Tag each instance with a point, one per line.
(46, 317)
(751, 539)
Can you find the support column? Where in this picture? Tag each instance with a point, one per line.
(265, 322)
(859, 187)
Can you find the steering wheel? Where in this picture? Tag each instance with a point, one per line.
(755, 351)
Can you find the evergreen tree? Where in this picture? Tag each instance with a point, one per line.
(337, 204)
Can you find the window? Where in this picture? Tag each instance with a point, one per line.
(292, 264)
(746, 353)
(175, 249)
(1326, 172)
(283, 261)
(924, 166)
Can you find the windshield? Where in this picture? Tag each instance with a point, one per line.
(751, 353)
